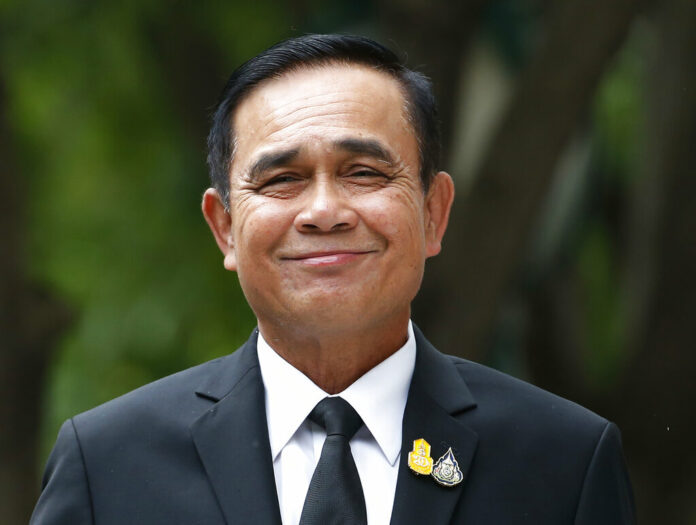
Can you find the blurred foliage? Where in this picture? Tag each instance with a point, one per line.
(619, 135)
(619, 109)
(601, 308)
(114, 178)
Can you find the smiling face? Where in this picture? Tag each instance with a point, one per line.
(328, 227)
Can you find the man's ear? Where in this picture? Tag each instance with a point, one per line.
(220, 222)
(438, 203)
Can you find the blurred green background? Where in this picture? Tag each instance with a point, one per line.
(569, 128)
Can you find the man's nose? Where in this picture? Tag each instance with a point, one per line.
(326, 209)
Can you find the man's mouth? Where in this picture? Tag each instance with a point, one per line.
(329, 257)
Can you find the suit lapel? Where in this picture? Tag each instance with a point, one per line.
(437, 393)
(232, 440)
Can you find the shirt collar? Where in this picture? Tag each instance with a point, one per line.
(379, 396)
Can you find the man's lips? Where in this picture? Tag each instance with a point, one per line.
(327, 258)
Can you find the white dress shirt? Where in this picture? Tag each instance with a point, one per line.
(379, 397)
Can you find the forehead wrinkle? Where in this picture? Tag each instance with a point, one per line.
(274, 106)
(290, 128)
(271, 112)
(331, 109)
(278, 126)
(338, 96)
(290, 108)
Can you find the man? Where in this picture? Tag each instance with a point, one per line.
(326, 202)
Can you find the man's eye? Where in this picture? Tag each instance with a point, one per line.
(366, 173)
(281, 179)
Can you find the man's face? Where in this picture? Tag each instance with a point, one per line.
(329, 227)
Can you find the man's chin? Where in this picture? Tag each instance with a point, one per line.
(330, 314)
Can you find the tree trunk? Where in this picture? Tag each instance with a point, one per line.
(490, 226)
(30, 322)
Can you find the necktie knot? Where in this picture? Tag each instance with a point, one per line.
(336, 416)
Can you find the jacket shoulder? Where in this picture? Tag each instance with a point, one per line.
(171, 400)
(504, 398)
(532, 444)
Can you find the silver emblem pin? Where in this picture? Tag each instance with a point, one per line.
(446, 470)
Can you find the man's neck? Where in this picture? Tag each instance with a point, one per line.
(335, 359)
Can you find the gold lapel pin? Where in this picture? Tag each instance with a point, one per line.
(419, 460)
(446, 470)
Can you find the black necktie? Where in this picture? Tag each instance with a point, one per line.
(335, 495)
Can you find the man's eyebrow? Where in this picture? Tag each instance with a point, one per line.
(271, 160)
(369, 147)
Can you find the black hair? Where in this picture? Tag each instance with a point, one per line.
(310, 50)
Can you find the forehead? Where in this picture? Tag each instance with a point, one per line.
(322, 104)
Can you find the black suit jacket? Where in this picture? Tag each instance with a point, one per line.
(193, 448)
